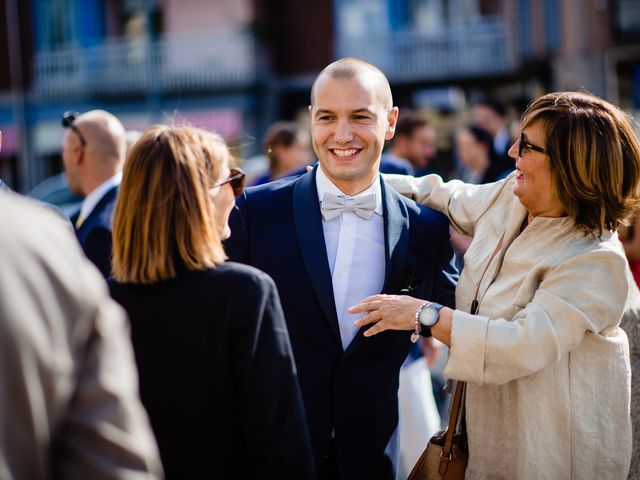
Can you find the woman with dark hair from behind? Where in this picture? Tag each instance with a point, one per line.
(217, 374)
(288, 148)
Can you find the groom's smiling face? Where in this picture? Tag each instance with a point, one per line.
(350, 121)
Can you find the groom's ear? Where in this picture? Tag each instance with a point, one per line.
(392, 120)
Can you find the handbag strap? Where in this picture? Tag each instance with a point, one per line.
(475, 303)
(456, 416)
(455, 424)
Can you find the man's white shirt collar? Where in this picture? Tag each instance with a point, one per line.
(91, 200)
(324, 186)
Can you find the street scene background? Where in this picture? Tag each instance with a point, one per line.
(236, 66)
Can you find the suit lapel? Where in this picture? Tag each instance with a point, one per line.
(106, 198)
(308, 225)
(396, 238)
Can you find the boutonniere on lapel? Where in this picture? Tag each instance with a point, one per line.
(411, 284)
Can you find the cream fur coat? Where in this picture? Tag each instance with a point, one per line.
(547, 364)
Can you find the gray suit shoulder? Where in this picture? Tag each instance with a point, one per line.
(62, 335)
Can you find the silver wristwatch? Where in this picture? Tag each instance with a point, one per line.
(428, 316)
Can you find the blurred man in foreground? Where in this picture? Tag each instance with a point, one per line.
(69, 404)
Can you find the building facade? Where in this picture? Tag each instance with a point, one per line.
(237, 65)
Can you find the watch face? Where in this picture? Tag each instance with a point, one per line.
(429, 316)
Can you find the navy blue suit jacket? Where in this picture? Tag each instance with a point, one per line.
(278, 229)
(95, 232)
(397, 165)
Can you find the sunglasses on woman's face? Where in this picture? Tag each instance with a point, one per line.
(236, 179)
(523, 144)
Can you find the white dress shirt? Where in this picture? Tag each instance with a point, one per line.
(91, 200)
(356, 254)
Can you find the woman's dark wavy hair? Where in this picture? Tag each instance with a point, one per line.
(594, 157)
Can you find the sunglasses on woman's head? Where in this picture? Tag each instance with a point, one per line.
(236, 179)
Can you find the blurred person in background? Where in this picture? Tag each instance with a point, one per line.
(69, 404)
(546, 283)
(217, 374)
(288, 148)
(479, 162)
(630, 237)
(93, 153)
(491, 115)
(414, 141)
(3, 185)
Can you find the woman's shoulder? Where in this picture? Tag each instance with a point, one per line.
(225, 276)
(235, 269)
(243, 286)
(238, 275)
(602, 256)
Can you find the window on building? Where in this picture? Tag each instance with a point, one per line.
(552, 12)
(429, 16)
(356, 18)
(491, 8)
(142, 18)
(627, 17)
(54, 23)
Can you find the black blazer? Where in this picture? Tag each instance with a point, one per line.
(278, 229)
(95, 232)
(217, 375)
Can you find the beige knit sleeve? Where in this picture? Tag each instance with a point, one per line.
(463, 203)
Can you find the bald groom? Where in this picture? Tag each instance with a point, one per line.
(330, 238)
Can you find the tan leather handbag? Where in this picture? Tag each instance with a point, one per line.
(446, 455)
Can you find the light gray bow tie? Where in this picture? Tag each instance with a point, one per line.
(333, 206)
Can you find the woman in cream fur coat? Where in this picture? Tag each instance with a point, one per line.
(546, 362)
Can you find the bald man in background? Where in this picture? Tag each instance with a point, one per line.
(93, 154)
